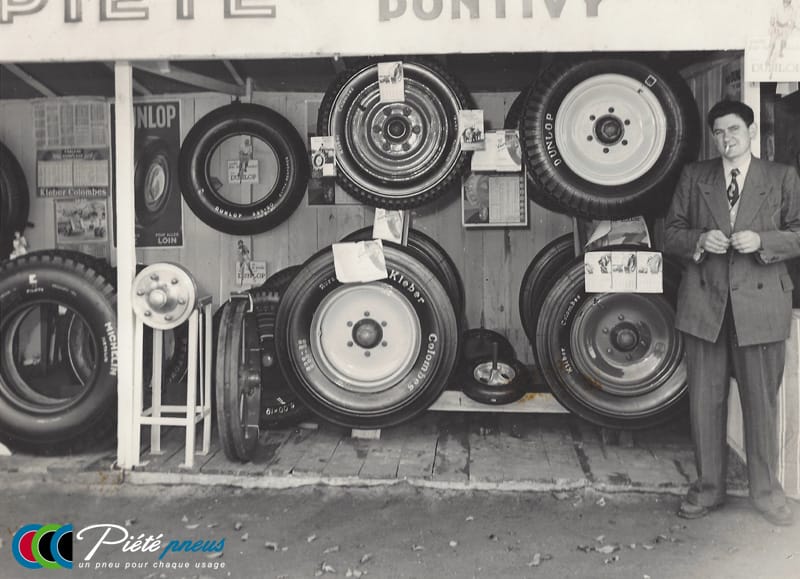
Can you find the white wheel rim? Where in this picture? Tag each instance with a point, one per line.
(365, 337)
(610, 129)
(500, 375)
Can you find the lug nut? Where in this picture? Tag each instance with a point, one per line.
(154, 276)
(174, 281)
(592, 117)
(366, 314)
(168, 317)
(624, 141)
(605, 149)
(384, 343)
(416, 129)
(621, 317)
(147, 313)
(627, 121)
(611, 109)
(383, 324)
(589, 138)
(349, 324)
(349, 344)
(605, 330)
(367, 354)
(139, 293)
(377, 128)
(181, 301)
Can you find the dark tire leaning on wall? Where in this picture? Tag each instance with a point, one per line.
(395, 155)
(14, 200)
(280, 280)
(614, 359)
(282, 169)
(427, 250)
(280, 406)
(606, 137)
(238, 381)
(153, 180)
(539, 277)
(367, 355)
(45, 414)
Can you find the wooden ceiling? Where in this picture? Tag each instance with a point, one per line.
(478, 72)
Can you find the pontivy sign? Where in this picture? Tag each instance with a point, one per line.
(74, 30)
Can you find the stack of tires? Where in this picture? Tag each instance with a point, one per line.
(605, 138)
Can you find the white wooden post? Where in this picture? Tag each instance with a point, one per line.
(126, 260)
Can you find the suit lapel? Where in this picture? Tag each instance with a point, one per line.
(712, 188)
(754, 192)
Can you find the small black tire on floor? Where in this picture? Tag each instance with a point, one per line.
(277, 138)
(36, 420)
(614, 359)
(539, 276)
(402, 331)
(14, 200)
(153, 180)
(494, 382)
(606, 137)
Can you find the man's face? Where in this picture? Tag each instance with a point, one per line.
(732, 136)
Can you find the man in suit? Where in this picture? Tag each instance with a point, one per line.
(735, 220)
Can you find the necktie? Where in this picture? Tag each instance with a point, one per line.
(733, 188)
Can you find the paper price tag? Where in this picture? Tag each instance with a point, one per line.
(650, 272)
(470, 130)
(389, 225)
(391, 82)
(597, 271)
(359, 262)
(243, 172)
(323, 157)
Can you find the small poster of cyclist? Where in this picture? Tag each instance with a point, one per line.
(81, 220)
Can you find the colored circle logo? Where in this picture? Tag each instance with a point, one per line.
(43, 546)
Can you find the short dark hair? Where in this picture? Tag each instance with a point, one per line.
(737, 108)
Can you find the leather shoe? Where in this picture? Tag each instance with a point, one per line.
(689, 510)
(781, 516)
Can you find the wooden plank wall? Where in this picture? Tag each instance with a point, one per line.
(491, 262)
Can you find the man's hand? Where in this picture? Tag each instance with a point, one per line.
(714, 241)
(746, 241)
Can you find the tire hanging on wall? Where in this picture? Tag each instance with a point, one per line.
(45, 413)
(614, 359)
(433, 255)
(542, 272)
(395, 155)
(153, 179)
(367, 355)
(238, 381)
(512, 122)
(606, 137)
(14, 200)
(266, 192)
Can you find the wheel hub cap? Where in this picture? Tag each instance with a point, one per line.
(609, 130)
(367, 333)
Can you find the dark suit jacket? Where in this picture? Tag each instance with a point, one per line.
(758, 284)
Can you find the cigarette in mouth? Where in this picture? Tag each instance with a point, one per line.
(727, 148)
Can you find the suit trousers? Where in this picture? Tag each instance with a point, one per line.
(758, 370)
